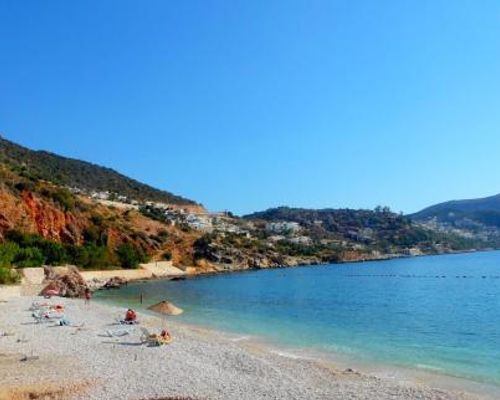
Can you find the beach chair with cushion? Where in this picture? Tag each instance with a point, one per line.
(153, 339)
(46, 316)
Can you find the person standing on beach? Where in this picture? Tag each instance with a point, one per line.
(87, 295)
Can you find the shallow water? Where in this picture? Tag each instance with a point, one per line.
(439, 313)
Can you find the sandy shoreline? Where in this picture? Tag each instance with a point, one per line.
(82, 363)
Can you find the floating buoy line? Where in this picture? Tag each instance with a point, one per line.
(422, 276)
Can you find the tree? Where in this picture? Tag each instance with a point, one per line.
(129, 256)
(54, 252)
(92, 256)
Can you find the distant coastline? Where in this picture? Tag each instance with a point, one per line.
(300, 265)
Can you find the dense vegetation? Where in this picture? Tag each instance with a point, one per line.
(20, 250)
(64, 171)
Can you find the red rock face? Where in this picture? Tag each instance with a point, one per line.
(37, 216)
(13, 214)
(51, 222)
(29, 213)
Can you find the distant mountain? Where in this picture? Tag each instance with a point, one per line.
(83, 175)
(464, 213)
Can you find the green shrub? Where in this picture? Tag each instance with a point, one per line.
(162, 233)
(29, 257)
(24, 239)
(167, 255)
(64, 198)
(92, 256)
(8, 252)
(8, 276)
(97, 219)
(55, 253)
(95, 235)
(23, 186)
(130, 256)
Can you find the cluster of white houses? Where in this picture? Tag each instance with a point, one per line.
(206, 222)
(283, 227)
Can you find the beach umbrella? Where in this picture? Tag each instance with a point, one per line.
(166, 308)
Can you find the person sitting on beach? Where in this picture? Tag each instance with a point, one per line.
(58, 307)
(165, 335)
(130, 316)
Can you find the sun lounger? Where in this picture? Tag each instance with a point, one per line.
(117, 332)
(50, 314)
(145, 332)
(65, 322)
(46, 316)
(125, 322)
(154, 339)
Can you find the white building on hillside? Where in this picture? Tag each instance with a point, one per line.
(200, 222)
(283, 227)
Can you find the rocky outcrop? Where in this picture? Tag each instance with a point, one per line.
(29, 213)
(230, 258)
(114, 283)
(51, 222)
(69, 284)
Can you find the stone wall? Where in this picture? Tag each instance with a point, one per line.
(127, 274)
(31, 276)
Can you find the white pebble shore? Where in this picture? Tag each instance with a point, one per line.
(199, 364)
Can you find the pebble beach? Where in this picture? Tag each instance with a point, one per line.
(47, 361)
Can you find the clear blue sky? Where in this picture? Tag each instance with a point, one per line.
(244, 105)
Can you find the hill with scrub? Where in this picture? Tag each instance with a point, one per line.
(49, 215)
(379, 229)
(479, 218)
(81, 175)
(484, 210)
(45, 224)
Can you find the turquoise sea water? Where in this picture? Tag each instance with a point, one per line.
(438, 313)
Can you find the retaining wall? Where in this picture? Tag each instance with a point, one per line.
(128, 274)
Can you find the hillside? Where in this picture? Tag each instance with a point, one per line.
(371, 230)
(475, 218)
(42, 223)
(82, 175)
(45, 221)
(484, 210)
